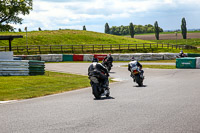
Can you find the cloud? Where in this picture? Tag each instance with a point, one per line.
(53, 14)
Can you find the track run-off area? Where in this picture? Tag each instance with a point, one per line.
(167, 103)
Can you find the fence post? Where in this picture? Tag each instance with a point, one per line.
(17, 50)
(128, 46)
(93, 48)
(82, 48)
(136, 46)
(162, 45)
(110, 47)
(72, 48)
(39, 49)
(168, 45)
(157, 45)
(150, 45)
(119, 47)
(143, 45)
(27, 49)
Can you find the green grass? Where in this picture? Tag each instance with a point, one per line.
(159, 66)
(156, 66)
(64, 37)
(23, 87)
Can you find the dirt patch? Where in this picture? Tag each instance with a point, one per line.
(167, 36)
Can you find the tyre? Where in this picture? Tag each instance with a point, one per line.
(108, 93)
(95, 91)
(139, 80)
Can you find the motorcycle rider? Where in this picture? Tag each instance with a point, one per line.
(132, 63)
(108, 59)
(181, 54)
(97, 69)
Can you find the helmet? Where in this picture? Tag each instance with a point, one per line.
(133, 58)
(95, 60)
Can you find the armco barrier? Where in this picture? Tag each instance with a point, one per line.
(147, 56)
(52, 57)
(193, 55)
(67, 57)
(88, 57)
(6, 55)
(198, 62)
(136, 56)
(115, 57)
(124, 57)
(36, 67)
(170, 56)
(14, 68)
(157, 56)
(100, 56)
(187, 62)
(28, 57)
(77, 57)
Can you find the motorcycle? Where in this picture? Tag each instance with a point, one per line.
(98, 89)
(137, 75)
(107, 64)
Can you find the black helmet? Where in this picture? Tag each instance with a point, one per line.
(95, 60)
(133, 58)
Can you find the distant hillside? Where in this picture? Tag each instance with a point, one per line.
(63, 37)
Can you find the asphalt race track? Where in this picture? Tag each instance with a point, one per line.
(167, 103)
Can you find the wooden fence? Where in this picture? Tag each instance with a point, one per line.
(44, 49)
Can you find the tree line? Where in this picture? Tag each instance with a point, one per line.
(10, 10)
(125, 30)
(139, 29)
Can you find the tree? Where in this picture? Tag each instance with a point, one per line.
(39, 29)
(107, 28)
(84, 28)
(184, 28)
(157, 30)
(10, 11)
(132, 32)
(19, 30)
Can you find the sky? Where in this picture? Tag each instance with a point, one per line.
(74, 14)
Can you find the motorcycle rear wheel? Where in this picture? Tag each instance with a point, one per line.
(139, 80)
(95, 91)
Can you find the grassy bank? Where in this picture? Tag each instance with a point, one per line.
(63, 37)
(23, 87)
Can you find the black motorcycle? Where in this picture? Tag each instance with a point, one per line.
(98, 88)
(137, 75)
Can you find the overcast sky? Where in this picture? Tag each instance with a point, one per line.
(73, 14)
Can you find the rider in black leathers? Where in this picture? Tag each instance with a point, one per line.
(108, 59)
(98, 70)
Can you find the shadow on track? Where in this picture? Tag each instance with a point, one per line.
(105, 98)
(140, 86)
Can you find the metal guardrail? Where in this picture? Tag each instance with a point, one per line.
(44, 49)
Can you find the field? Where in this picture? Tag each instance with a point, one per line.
(171, 36)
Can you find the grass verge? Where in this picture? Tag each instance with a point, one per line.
(156, 66)
(24, 87)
